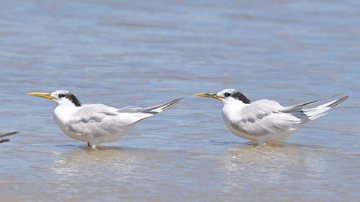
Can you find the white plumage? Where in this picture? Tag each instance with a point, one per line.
(265, 121)
(96, 123)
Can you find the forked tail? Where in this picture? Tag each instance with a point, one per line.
(137, 113)
(159, 108)
(321, 110)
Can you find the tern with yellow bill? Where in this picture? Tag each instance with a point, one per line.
(265, 121)
(96, 123)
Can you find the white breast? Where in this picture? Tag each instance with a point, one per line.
(61, 116)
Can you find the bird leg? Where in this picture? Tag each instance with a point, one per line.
(91, 146)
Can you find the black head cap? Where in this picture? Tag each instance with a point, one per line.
(73, 99)
(235, 94)
(61, 94)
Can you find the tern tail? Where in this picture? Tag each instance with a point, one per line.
(159, 108)
(321, 110)
(143, 113)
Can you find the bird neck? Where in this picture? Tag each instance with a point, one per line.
(231, 109)
(233, 102)
(67, 102)
(63, 112)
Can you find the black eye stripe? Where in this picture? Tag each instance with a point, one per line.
(227, 94)
(61, 95)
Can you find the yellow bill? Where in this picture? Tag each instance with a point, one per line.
(209, 95)
(42, 95)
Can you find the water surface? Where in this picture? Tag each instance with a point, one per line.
(139, 53)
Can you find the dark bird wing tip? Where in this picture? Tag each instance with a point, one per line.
(172, 103)
(178, 99)
(338, 101)
(161, 107)
(8, 134)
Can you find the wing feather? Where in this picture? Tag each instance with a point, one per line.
(98, 119)
(265, 117)
(102, 120)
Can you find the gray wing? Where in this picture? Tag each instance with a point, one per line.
(266, 117)
(100, 119)
(299, 107)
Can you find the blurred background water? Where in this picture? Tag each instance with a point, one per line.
(142, 53)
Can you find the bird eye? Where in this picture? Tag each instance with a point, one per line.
(61, 95)
(227, 94)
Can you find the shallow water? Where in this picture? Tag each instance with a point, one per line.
(135, 53)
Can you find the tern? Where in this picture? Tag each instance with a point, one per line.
(265, 121)
(96, 123)
(5, 135)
